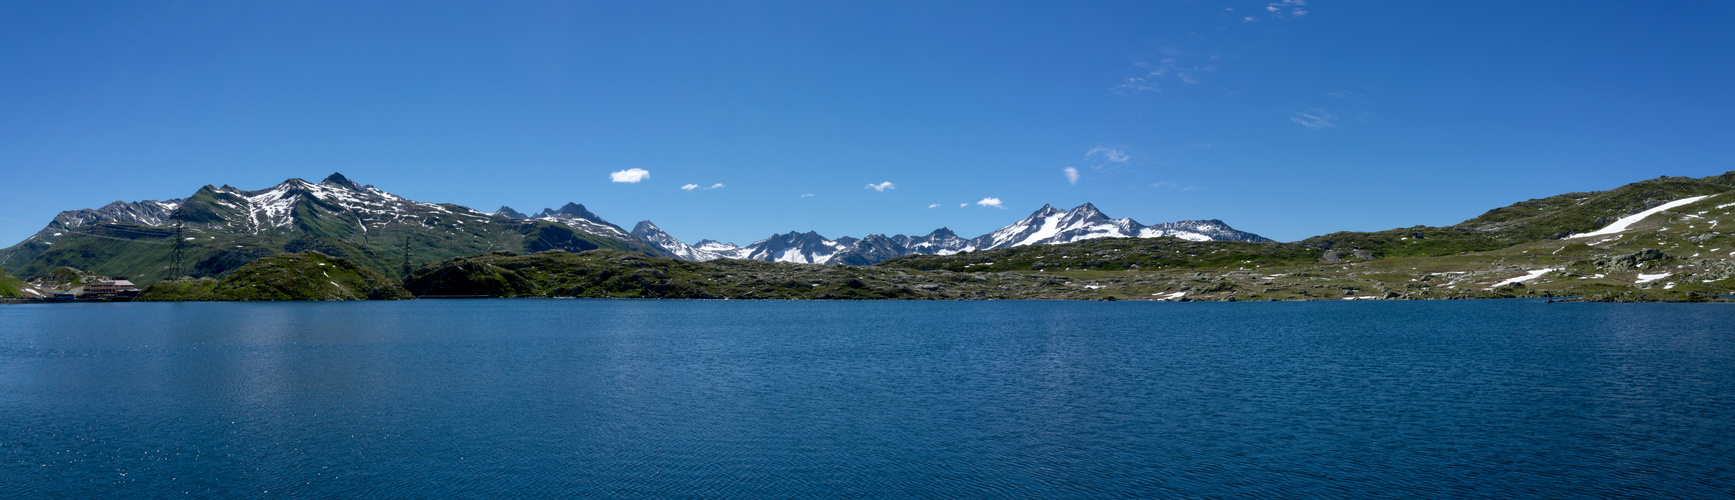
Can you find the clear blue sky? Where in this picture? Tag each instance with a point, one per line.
(1283, 119)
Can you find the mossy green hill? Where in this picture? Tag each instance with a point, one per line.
(613, 274)
(10, 287)
(306, 275)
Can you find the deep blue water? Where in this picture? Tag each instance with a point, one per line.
(647, 398)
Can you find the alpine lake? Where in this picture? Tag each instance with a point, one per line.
(871, 399)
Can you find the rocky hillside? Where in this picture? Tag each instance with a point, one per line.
(1551, 218)
(611, 274)
(307, 275)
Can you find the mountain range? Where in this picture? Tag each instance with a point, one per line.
(217, 229)
(1046, 226)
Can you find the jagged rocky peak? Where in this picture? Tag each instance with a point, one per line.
(577, 217)
(338, 180)
(572, 209)
(645, 226)
(508, 212)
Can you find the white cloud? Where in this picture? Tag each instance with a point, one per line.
(990, 202)
(1317, 119)
(962, 205)
(936, 205)
(1071, 175)
(1249, 19)
(630, 176)
(689, 187)
(808, 195)
(881, 187)
(715, 186)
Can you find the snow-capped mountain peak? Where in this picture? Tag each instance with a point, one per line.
(704, 251)
(1045, 226)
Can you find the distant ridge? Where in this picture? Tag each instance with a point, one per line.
(1046, 226)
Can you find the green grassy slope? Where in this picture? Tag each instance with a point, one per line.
(292, 276)
(10, 287)
(1554, 217)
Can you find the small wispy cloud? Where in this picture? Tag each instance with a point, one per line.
(1071, 175)
(936, 205)
(1108, 154)
(990, 202)
(1138, 84)
(1106, 159)
(1286, 8)
(1344, 108)
(630, 176)
(1175, 65)
(882, 187)
(1314, 119)
(808, 195)
(962, 205)
(691, 187)
(1174, 185)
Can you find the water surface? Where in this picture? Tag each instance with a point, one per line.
(645, 398)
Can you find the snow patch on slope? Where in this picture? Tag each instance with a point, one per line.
(1628, 221)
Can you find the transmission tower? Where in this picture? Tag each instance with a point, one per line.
(406, 257)
(179, 255)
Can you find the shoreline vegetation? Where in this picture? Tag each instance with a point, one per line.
(1660, 240)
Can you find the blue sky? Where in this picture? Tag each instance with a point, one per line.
(1286, 119)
